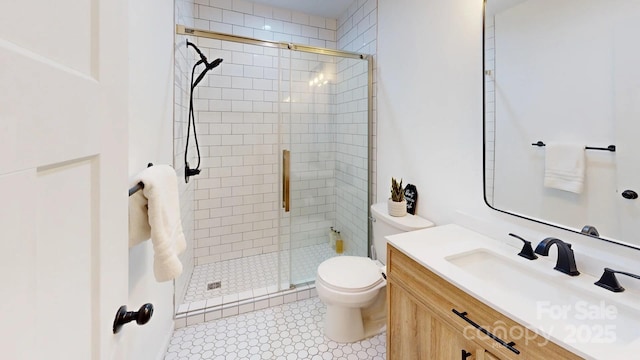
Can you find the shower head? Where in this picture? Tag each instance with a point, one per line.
(203, 60)
(214, 64)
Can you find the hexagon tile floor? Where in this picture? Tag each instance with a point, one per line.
(289, 331)
(254, 272)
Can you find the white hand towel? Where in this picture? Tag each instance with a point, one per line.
(564, 167)
(154, 212)
(139, 229)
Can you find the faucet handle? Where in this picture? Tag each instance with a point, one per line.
(609, 281)
(527, 250)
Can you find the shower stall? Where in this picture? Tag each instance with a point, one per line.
(283, 132)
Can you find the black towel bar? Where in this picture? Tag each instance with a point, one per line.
(139, 186)
(611, 148)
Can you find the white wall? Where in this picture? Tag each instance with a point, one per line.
(430, 103)
(430, 124)
(151, 129)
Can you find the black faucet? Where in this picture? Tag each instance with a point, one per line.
(566, 261)
(609, 281)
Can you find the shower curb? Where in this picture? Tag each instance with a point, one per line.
(201, 313)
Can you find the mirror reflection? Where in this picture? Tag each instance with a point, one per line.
(562, 84)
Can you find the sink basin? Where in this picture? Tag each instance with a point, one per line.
(569, 312)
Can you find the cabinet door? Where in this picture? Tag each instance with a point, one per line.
(415, 333)
(448, 343)
(409, 327)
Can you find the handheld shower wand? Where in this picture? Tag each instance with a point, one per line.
(203, 60)
(188, 171)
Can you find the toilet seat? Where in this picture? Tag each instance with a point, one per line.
(350, 274)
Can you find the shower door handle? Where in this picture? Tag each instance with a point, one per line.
(286, 168)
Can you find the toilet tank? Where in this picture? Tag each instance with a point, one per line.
(385, 225)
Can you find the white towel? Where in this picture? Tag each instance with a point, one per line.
(154, 212)
(564, 167)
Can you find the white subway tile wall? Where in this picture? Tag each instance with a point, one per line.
(490, 109)
(245, 18)
(352, 163)
(357, 32)
(183, 60)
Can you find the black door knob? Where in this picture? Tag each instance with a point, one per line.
(123, 316)
(629, 194)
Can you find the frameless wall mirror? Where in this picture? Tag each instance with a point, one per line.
(564, 73)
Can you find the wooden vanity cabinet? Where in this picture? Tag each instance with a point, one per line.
(416, 333)
(421, 323)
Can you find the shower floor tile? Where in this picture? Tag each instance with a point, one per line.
(289, 331)
(253, 273)
(306, 260)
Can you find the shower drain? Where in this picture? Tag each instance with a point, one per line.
(214, 285)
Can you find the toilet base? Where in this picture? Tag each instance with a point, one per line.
(343, 324)
(347, 325)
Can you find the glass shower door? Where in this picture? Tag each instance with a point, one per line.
(352, 129)
(313, 158)
(237, 250)
(328, 160)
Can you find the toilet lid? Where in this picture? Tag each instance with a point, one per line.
(350, 273)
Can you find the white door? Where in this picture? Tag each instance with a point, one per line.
(63, 178)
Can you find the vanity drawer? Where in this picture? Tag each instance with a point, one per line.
(442, 298)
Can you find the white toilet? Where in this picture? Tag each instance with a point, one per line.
(353, 287)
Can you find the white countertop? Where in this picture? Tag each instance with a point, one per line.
(607, 331)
